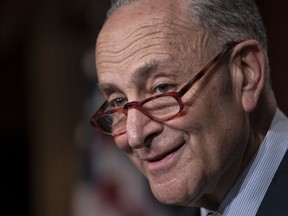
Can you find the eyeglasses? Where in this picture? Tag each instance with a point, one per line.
(160, 108)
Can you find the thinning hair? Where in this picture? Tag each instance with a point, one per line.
(225, 20)
(115, 4)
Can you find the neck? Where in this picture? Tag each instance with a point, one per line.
(261, 118)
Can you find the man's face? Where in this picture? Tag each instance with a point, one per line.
(151, 47)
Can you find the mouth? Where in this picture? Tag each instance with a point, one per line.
(162, 156)
(163, 162)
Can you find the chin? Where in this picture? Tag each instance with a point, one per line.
(172, 199)
(172, 194)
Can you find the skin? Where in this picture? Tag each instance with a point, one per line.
(192, 160)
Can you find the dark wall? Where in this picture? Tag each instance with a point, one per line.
(275, 17)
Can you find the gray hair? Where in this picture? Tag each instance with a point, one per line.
(226, 20)
(115, 4)
(230, 20)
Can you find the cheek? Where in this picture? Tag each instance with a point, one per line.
(223, 130)
(214, 122)
(186, 182)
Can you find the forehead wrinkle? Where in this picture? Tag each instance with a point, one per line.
(130, 45)
(159, 31)
(164, 26)
(118, 43)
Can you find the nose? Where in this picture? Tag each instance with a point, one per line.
(141, 129)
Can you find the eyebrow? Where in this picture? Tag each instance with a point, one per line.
(139, 75)
(108, 88)
(144, 71)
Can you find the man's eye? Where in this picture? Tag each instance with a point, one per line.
(163, 88)
(117, 102)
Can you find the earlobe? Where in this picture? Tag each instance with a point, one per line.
(251, 66)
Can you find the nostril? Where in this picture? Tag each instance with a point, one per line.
(141, 129)
(149, 138)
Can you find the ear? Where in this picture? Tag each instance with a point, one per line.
(248, 72)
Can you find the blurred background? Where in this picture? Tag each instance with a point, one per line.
(52, 162)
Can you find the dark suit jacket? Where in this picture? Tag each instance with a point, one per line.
(275, 202)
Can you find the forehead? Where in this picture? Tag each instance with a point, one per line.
(142, 31)
(145, 12)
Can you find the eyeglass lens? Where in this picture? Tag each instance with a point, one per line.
(159, 109)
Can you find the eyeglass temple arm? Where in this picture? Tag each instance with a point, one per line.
(208, 67)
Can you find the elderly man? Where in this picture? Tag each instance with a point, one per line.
(188, 99)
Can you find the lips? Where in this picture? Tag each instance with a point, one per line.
(164, 161)
(162, 156)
